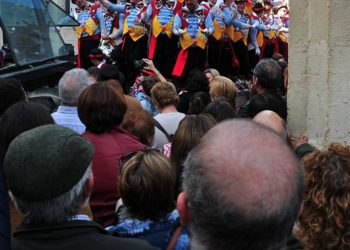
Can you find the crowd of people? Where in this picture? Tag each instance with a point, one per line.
(160, 165)
(159, 169)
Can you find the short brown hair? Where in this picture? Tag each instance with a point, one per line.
(164, 94)
(147, 185)
(101, 107)
(140, 123)
(223, 87)
(148, 82)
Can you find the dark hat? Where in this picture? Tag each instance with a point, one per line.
(258, 7)
(96, 54)
(237, 1)
(267, 4)
(111, 71)
(45, 162)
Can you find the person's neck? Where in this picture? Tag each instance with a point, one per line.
(260, 90)
(168, 109)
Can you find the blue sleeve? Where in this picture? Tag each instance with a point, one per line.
(101, 20)
(238, 24)
(212, 15)
(121, 24)
(209, 24)
(227, 16)
(116, 7)
(177, 24)
(263, 27)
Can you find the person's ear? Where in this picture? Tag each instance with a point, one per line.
(183, 208)
(255, 80)
(88, 186)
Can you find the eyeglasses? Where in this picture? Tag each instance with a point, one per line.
(130, 155)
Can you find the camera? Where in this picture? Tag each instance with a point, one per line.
(139, 64)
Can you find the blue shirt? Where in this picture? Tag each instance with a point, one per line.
(242, 22)
(83, 17)
(68, 117)
(157, 233)
(146, 103)
(164, 15)
(133, 12)
(193, 24)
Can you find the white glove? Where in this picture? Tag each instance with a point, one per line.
(180, 32)
(274, 27)
(205, 31)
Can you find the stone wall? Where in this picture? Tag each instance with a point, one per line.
(319, 70)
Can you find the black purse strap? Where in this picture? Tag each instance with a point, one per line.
(160, 127)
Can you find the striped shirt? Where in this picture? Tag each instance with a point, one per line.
(193, 24)
(83, 17)
(164, 15)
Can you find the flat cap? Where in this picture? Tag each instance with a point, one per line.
(45, 162)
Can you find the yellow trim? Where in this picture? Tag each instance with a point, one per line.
(135, 32)
(90, 26)
(218, 30)
(79, 31)
(230, 31)
(157, 28)
(260, 38)
(186, 40)
(272, 34)
(282, 37)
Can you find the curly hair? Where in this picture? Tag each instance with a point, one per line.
(325, 221)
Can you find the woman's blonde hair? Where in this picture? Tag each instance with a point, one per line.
(223, 87)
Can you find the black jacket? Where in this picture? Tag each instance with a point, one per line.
(72, 235)
(269, 100)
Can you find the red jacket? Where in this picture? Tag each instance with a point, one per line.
(109, 148)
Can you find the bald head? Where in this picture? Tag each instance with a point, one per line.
(273, 121)
(242, 178)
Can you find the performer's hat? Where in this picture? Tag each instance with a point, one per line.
(267, 5)
(240, 1)
(96, 54)
(258, 7)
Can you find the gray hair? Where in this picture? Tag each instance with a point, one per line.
(269, 73)
(72, 84)
(56, 210)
